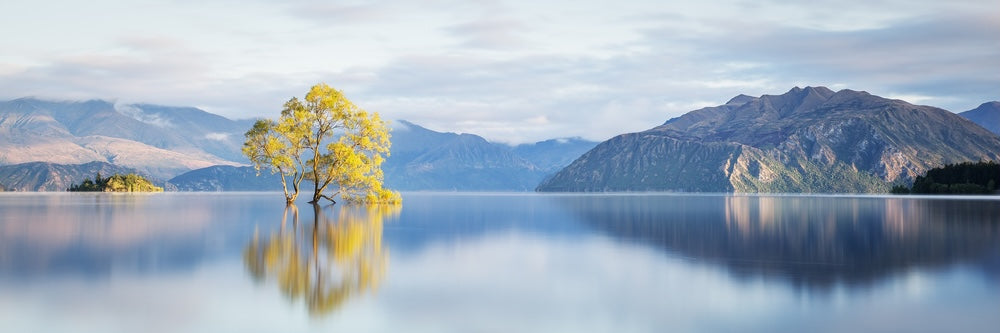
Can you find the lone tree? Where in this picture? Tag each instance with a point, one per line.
(327, 140)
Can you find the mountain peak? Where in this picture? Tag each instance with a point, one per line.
(811, 90)
(401, 125)
(804, 140)
(33, 99)
(986, 115)
(409, 125)
(989, 105)
(818, 93)
(740, 99)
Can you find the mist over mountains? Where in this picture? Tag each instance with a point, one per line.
(806, 140)
(425, 160)
(422, 159)
(199, 151)
(159, 141)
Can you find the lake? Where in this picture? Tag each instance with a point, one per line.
(446, 262)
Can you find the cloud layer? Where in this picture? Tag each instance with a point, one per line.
(508, 70)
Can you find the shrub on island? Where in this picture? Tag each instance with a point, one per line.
(116, 183)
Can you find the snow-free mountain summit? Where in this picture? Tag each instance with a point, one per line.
(805, 140)
(159, 141)
(48, 145)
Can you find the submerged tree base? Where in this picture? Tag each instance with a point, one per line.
(377, 196)
(326, 139)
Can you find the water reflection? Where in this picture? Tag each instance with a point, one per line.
(326, 262)
(813, 242)
(95, 234)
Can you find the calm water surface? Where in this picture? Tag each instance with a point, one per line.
(180, 262)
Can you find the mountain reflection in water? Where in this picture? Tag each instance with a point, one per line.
(326, 261)
(470, 262)
(813, 242)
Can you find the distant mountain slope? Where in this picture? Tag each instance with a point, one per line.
(425, 160)
(41, 176)
(422, 159)
(986, 115)
(806, 140)
(162, 141)
(166, 142)
(226, 178)
(554, 154)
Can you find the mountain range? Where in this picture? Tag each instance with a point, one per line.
(425, 160)
(200, 151)
(156, 140)
(422, 159)
(43, 176)
(805, 140)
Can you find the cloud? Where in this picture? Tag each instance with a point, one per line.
(337, 13)
(598, 97)
(158, 71)
(915, 99)
(138, 114)
(218, 136)
(729, 83)
(490, 34)
(941, 56)
(589, 69)
(146, 66)
(502, 100)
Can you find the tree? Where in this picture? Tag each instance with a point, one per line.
(328, 140)
(962, 178)
(276, 148)
(899, 189)
(116, 183)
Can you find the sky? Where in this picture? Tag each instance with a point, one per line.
(510, 71)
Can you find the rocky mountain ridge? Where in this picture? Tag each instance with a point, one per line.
(425, 160)
(43, 176)
(805, 140)
(986, 115)
(158, 140)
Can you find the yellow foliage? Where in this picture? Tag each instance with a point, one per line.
(326, 262)
(301, 145)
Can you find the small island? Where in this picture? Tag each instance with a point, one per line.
(116, 183)
(962, 178)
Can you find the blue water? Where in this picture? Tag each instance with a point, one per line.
(183, 262)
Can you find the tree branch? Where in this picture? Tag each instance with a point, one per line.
(327, 198)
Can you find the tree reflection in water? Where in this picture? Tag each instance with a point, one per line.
(326, 262)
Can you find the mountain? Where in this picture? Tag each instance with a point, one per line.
(42, 176)
(168, 142)
(422, 159)
(554, 154)
(226, 178)
(805, 140)
(158, 140)
(986, 115)
(425, 160)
